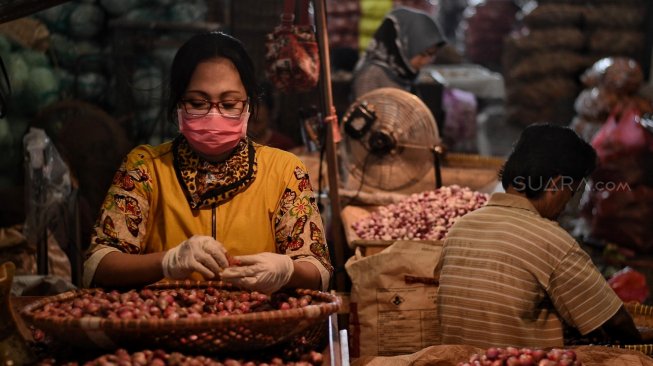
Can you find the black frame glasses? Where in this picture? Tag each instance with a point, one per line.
(201, 107)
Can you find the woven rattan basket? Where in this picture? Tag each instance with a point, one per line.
(642, 314)
(643, 318)
(241, 332)
(474, 171)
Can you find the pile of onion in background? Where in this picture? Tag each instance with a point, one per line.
(422, 216)
(512, 356)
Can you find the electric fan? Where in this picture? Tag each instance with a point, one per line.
(390, 142)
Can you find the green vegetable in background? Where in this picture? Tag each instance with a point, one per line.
(18, 71)
(42, 87)
(118, 7)
(35, 58)
(86, 20)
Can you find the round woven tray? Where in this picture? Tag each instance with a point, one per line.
(240, 332)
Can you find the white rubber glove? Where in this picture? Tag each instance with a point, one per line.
(264, 272)
(199, 253)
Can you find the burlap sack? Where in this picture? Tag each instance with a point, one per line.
(393, 306)
(15, 248)
(443, 355)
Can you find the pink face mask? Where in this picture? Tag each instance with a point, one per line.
(212, 134)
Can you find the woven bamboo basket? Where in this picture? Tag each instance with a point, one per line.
(642, 314)
(474, 171)
(233, 333)
(643, 318)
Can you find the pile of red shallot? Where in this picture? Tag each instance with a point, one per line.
(169, 304)
(512, 356)
(421, 216)
(161, 358)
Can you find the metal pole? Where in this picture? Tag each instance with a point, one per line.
(337, 234)
(40, 220)
(74, 246)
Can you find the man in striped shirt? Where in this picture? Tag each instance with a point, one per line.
(509, 274)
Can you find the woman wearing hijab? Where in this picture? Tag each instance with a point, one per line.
(406, 40)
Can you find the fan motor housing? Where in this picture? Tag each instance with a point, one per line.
(382, 142)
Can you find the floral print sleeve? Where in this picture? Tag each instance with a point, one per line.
(299, 232)
(121, 225)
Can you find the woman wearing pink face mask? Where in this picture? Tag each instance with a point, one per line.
(175, 210)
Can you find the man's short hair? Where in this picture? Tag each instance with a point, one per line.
(544, 152)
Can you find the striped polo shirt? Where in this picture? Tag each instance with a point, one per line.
(509, 277)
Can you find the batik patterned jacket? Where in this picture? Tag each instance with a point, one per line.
(260, 199)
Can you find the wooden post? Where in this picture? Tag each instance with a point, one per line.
(337, 234)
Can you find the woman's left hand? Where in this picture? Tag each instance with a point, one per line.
(263, 272)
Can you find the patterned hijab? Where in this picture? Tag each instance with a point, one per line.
(403, 34)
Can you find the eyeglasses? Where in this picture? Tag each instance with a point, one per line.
(227, 108)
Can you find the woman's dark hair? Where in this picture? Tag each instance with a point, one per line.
(203, 47)
(544, 152)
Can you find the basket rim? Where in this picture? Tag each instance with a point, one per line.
(637, 308)
(330, 304)
(472, 161)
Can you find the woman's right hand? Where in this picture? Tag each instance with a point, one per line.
(199, 253)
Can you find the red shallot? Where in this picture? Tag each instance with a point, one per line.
(422, 216)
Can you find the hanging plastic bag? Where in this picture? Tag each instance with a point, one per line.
(621, 215)
(629, 285)
(48, 189)
(619, 205)
(625, 148)
(460, 120)
(292, 57)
